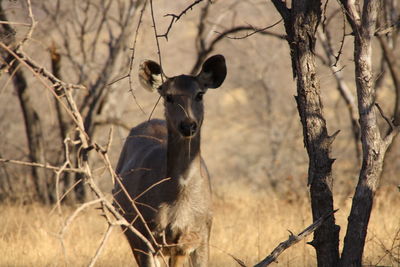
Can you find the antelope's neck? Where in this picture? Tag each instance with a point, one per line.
(182, 153)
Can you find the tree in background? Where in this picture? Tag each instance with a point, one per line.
(80, 43)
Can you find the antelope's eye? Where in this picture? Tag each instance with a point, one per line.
(199, 96)
(169, 98)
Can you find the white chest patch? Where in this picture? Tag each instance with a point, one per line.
(192, 204)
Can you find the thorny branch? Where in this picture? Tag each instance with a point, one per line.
(42, 165)
(175, 18)
(65, 97)
(28, 35)
(254, 30)
(337, 57)
(344, 90)
(159, 55)
(293, 239)
(206, 48)
(131, 60)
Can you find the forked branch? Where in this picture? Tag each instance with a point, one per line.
(175, 18)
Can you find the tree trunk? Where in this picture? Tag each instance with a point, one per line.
(33, 128)
(374, 147)
(301, 22)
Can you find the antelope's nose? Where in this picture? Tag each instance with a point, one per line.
(188, 128)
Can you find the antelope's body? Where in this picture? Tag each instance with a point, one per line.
(161, 169)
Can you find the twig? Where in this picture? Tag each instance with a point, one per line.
(133, 49)
(154, 108)
(344, 90)
(133, 56)
(255, 30)
(76, 213)
(112, 121)
(28, 35)
(393, 131)
(293, 239)
(323, 23)
(27, 61)
(236, 259)
(15, 23)
(58, 174)
(159, 55)
(387, 30)
(389, 122)
(175, 18)
(41, 165)
(337, 57)
(150, 187)
(156, 38)
(101, 246)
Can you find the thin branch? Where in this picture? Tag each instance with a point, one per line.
(150, 187)
(293, 239)
(101, 246)
(337, 57)
(133, 57)
(388, 29)
(112, 121)
(159, 55)
(41, 165)
(23, 58)
(156, 38)
(344, 90)
(389, 122)
(133, 49)
(76, 213)
(254, 31)
(28, 35)
(175, 18)
(15, 23)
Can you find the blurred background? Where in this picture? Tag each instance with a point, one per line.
(252, 139)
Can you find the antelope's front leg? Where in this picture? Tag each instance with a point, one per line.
(199, 257)
(178, 260)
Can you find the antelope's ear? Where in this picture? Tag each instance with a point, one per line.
(213, 72)
(150, 75)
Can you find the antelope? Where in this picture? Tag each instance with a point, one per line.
(161, 169)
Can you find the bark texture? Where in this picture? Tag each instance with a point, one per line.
(301, 22)
(373, 145)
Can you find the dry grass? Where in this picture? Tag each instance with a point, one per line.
(247, 224)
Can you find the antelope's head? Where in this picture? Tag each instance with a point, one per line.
(183, 94)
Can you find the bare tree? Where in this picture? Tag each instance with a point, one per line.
(301, 22)
(32, 121)
(363, 23)
(96, 19)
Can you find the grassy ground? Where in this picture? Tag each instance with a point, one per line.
(247, 225)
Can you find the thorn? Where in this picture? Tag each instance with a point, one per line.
(312, 243)
(333, 137)
(291, 233)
